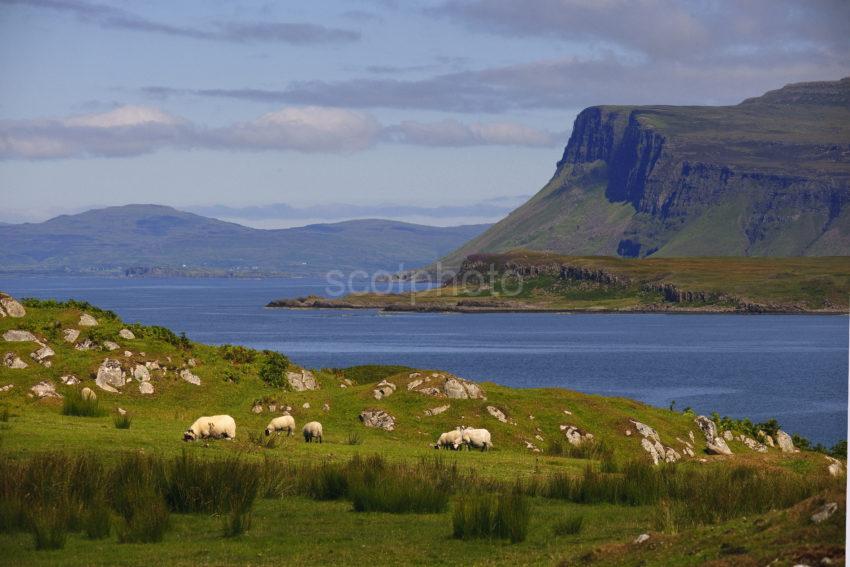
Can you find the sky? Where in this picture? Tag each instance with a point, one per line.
(278, 114)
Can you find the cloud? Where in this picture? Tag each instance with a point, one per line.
(136, 130)
(293, 33)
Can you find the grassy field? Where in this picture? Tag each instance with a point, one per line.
(815, 285)
(766, 499)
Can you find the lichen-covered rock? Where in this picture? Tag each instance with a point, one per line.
(145, 388)
(6, 388)
(412, 385)
(728, 436)
(87, 320)
(646, 431)
(43, 355)
(576, 436)
(110, 345)
(384, 389)
(141, 373)
(187, 376)
(44, 389)
(69, 380)
(654, 448)
(126, 334)
(9, 306)
(825, 512)
(641, 539)
(11, 360)
(377, 418)
(326, 407)
(437, 410)
(301, 381)
(451, 387)
(718, 447)
(708, 427)
(454, 389)
(152, 365)
(110, 376)
(87, 344)
(497, 413)
(70, 335)
(306, 405)
(18, 336)
(835, 467)
(257, 408)
(785, 442)
(753, 444)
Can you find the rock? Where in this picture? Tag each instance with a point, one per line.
(646, 431)
(473, 390)
(110, 376)
(383, 389)
(641, 538)
(152, 365)
(122, 411)
(70, 335)
(654, 448)
(727, 435)
(145, 388)
(497, 413)
(835, 467)
(9, 306)
(825, 512)
(415, 384)
(671, 455)
(11, 360)
(272, 408)
(187, 375)
(141, 373)
(258, 408)
(326, 407)
(69, 379)
(42, 355)
(718, 447)
(708, 428)
(109, 345)
(306, 405)
(531, 447)
(377, 418)
(127, 354)
(192, 362)
(87, 320)
(126, 334)
(628, 432)
(44, 389)
(786, 444)
(768, 440)
(301, 381)
(6, 388)
(431, 391)
(691, 436)
(87, 344)
(567, 412)
(437, 410)
(18, 336)
(575, 435)
(753, 444)
(455, 390)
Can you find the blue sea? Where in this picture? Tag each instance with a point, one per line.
(792, 368)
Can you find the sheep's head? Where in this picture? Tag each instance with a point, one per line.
(268, 431)
(189, 435)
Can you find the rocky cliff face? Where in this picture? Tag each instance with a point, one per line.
(768, 177)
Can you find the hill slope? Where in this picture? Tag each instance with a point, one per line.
(141, 237)
(768, 177)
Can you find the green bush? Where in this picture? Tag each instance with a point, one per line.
(569, 525)
(49, 525)
(237, 354)
(146, 518)
(122, 421)
(367, 373)
(273, 370)
(97, 520)
(500, 516)
(74, 404)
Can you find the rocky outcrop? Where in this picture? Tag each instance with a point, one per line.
(825, 512)
(18, 336)
(87, 344)
(651, 443)
(302, 381)
(11, 360)
(44, 389)
(714, 444)
(835, 467)
(497, 413)
(69, 380)
(43, 356)
(378, 419)
(752, 444)
(446, 386)
(87, 320)
(126, 334)
(141, 373)
(437, 410)
(110, 376)
(146, 388)
(110, 345)
(70, 335)
(575, 436)
(383, 390)
(10, 307)
(785, 442)
(189, 377)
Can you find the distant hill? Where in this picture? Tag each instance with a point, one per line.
(767, 177)
(153, 239)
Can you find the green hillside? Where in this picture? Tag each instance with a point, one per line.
(767, 177)
(351, 500)
(152, 239)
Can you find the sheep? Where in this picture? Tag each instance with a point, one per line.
(282, 423)
(215, 426)
(478, 438)
(87, 394)
(312, 431)
(449, 440)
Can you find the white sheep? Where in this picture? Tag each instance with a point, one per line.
(449, 440)
(282, 423)
(312, 431)
(88, 394)
(215, 426)
(478, 438)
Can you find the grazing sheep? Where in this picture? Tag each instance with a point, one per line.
(312, 432)
(450, 440)
(88, 394)
(478, 438)
(215, 426)
(282, 423)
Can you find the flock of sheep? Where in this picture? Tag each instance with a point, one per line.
(224, 427)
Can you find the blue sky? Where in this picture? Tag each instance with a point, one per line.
(396, 107)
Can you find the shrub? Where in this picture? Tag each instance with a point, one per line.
(146, 518)
(237, 354)
(69, 304)
(273, 370)
(122, 421)
(568, 525)
(74, 404)
(232, 375)
(398, 491)
(503, 516)
(97, 520)
(49, 526)
(193, 485)
(367, 373)
(327, 482)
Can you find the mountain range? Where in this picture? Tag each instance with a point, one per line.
(154, 239)
(767, 177)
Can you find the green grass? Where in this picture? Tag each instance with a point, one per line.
(74, 404)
